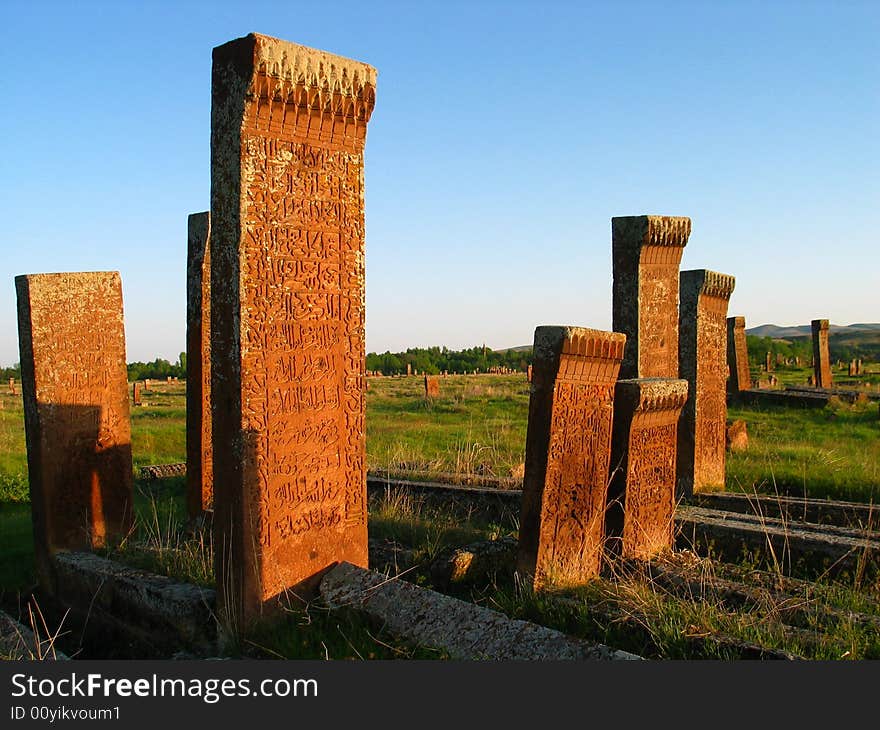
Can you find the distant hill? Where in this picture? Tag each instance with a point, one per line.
(518, 348)
(804, 330)
(844, 342)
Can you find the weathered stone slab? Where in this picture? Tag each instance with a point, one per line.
(463, 630)
(138, 601)
(737, 355)
(641, 495)
(828, 548)
(17, 641)
(818, 511)
(163, 471)
(136, 394)
(76, 408)
(568, 451)
(199, 444)
(432, 386)
(703, 363)
(646, 252)
(288, 126)
(803, 399)
(821, 357)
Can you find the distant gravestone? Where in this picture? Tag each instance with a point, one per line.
(529, 373)
(432, 386)
(568, 452)
(641, 498)
(136, 393)
(76, 409)
(199, 444)
(12, 386)
(737, 355)
(703, 352)
(821, 359)
(147, 384)
(409, 369)
(288, 127)
(646, 252)
(768, 362)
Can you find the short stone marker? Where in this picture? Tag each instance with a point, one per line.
(136, 393)
(529, 373)
(288, 126)
(768, 362)
(703, 352)
(737, 436)
(199, 445)
(737, 355)
(76, 409)
(12, 386)
(646, 251)
(432, 386)
(821, 358)
(568, 451)
(641, 495)
(461, 629)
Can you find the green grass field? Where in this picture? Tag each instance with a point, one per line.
(477, 427)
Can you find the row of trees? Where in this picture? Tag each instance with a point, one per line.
(802, 347)
(158, 369)
(433, 360)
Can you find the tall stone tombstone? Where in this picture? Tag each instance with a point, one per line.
(646, 252)
(568, 451)
(768, 361)
(641, 493)
(76, 411)
(432, 386)
(199, 445)
(288, 127)
(737, 355)
(136, 393)
(703, 352)
(821, 357)
(12, 386)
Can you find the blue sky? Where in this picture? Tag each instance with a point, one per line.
(505, 137)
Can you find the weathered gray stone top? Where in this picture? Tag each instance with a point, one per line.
(707, 283)
(737, 321)
(553, 340)
(652, 394)
(635, 231)
(463, 630)
(819, 324)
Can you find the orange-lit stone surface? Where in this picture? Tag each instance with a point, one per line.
(703, 353)
(432, 386)
(646, 251)
(641, 495)
(821, 357)
(288, 126)
(737, 355)
(568, 450)
(199, 450)
(76, 407)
